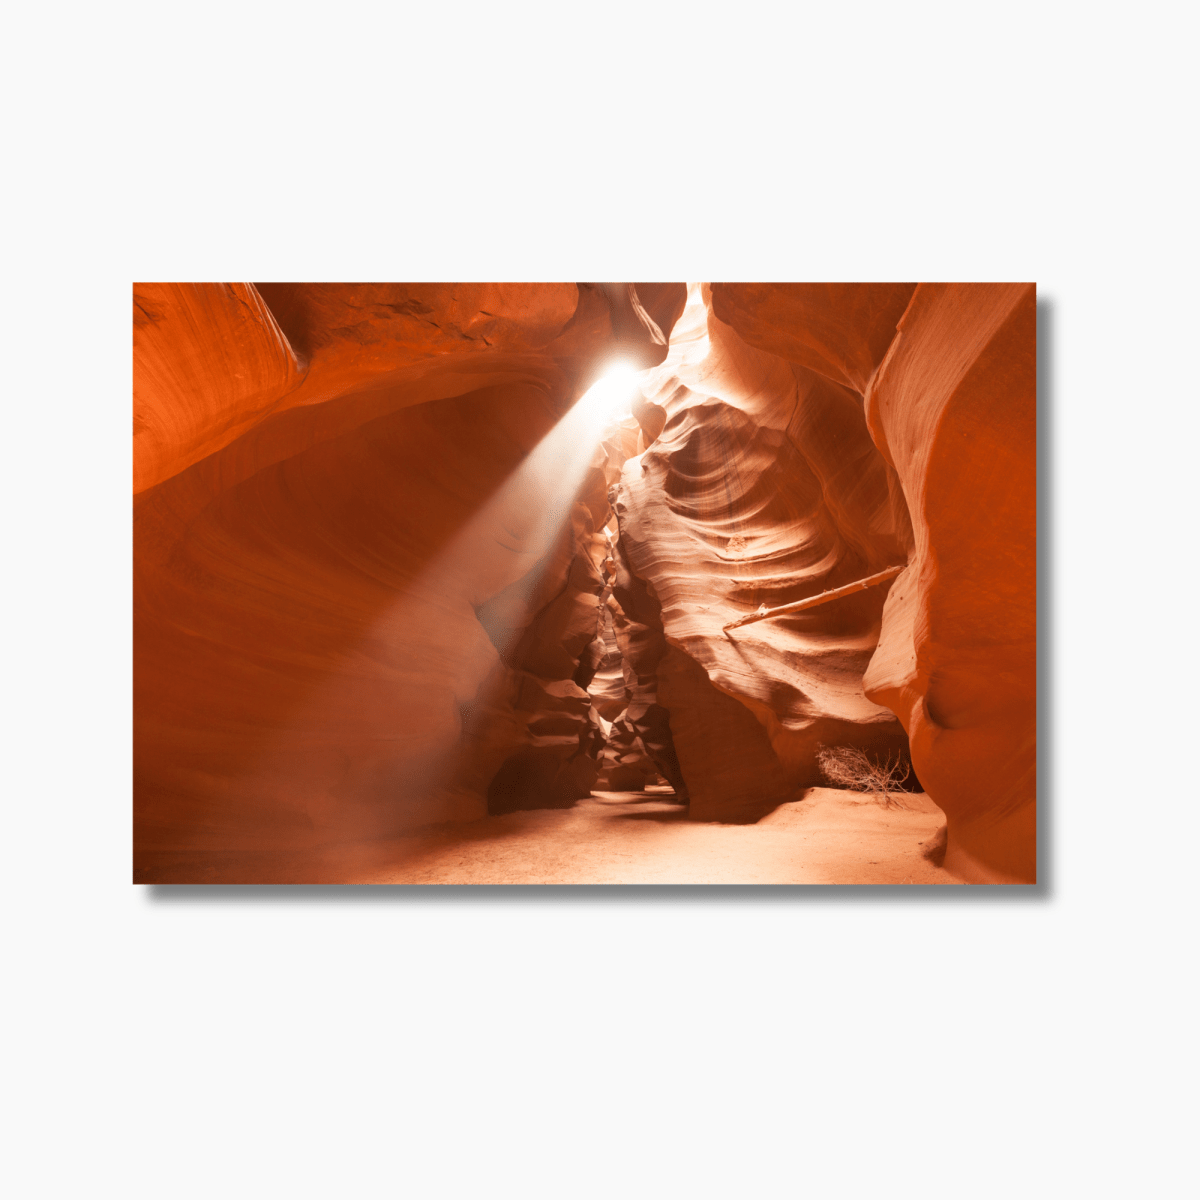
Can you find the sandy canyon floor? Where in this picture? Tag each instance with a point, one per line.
(825, 837)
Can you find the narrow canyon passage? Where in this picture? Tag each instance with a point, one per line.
(454, 583)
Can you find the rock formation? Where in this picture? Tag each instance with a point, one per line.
(388, 571)
(310, 658)
(761, 487)
(953, 410)
(948, 375)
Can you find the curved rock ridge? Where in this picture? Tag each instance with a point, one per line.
(824, 421)
(839, 330)
(949, 377)
(389, 573)
(209, 360)
(307, 647)
(719, 517)
(953, 408)
(311, 657)
(616, 669)
(212, 361)
(708, 360)
(625, 764)
(759, 485)
(637, 626)
(607, 685)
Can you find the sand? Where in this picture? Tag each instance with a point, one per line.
(826, 837)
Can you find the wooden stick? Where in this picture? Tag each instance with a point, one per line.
(800, 605)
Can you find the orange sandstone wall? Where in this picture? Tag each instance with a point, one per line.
(351, 620)
(760, 485)
(320, 525)
(212, 360)
(948, 372)
(953, 408)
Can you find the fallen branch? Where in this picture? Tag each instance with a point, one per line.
(849, 767)
(824, 598)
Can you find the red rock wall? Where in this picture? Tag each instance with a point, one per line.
(301, 660)
(949, 376)
(212, 361)
(310, 664)
(356, 610)
(763, 487)
(209, 360)
(953, 408)
(618, 699)
(841, 331)
(637, 627)
(542, 625)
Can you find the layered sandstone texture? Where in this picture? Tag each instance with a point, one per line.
(947, 373)
(759, 486)
(391, 571)
(365, 570)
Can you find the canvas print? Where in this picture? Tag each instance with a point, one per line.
(585, 583)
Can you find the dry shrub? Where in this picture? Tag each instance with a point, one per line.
(851, 768)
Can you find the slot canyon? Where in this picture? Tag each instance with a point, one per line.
(438, 583)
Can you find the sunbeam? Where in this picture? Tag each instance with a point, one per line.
(500, 558)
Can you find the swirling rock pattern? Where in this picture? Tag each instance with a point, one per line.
(948, 372)
(302, 659)
(209, 360)
(839, 330)
(719, 516)
(213, 361)
(310, 660)
(359, 608)
(953, 408)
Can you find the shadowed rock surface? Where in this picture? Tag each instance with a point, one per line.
(310, 664)
(390, 574)
(950, 402)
